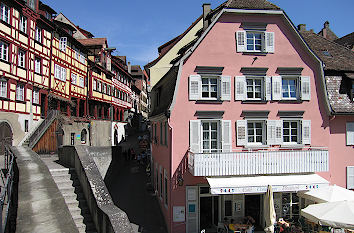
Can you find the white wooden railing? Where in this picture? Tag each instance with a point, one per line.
(258, 162)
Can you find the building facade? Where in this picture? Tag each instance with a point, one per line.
(244, 106)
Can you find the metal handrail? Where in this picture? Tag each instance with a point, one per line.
(32, 140)
(6, 191)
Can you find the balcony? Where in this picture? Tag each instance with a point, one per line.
(261, 162)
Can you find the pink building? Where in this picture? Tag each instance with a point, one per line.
(243, 107)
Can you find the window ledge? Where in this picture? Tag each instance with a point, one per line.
(38, 42)
(290, 101)
(4, 98)
(7, 62)
(254, 101)
(37, 73)
(22, 68)
(255, 53)
(250, 146)
(209, 101)
(292, 146)
(21, 101)
(23, 33)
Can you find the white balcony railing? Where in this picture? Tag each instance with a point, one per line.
(258, 162)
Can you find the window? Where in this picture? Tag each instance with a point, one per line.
(35, 96)
(63, 43)
(209, 87)
(291, 131)
(23, 24)
(273, 132)
(48, 16)
(60, 73)
(254, 88)
(109, 90)
(82, 58)
(4, 51)
(39, 34)
(255, 41)
(350, 133)
(3, 88)
(22, 58)
(83, 136)
(104, 88)
(350, 177)
(210, 136)
(290, 206)
(26, 125)
(72, 137)
(20, 92)
(99, 86)
(74, 78)
(255, 132)
(31, 4)
(37, 65)
(81, 81)
(289, 88)
(5, 13)
(94, 84)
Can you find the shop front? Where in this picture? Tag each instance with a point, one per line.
(238, 197)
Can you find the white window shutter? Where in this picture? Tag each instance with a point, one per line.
(226, 135)
(306, 132)
(350, 133)
(240, 87)
(271, 132)
(350, 177)
(276, 87)
(279, 132)
(225, 88)
(241, 41)
(241, 132)
(195, 87)
(194, 135)
(269, 42)
(268, 87)
(305, 88)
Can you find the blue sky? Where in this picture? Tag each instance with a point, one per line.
(137, 28)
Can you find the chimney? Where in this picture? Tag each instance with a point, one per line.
(325, 28)
(129, 68)
(206, 11)
(301, 27)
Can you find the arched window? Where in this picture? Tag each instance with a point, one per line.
(83, 136)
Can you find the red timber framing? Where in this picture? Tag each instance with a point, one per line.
(25, 75)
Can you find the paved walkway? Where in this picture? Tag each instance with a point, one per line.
(127, 186)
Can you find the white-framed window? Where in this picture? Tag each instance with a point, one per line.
(63, 74)
(22, 58)
(63, 43)
(3, 88)
(254, 88)
(350, 177)
(74, 78)
(23, 24)
(39, 34)
(210, 136)
(5, 13)
(20, 92)
(350, 133)
(82, 81)
(94, 84)
(291, 131)
(31, 4)
(35, 96)
(273, 132)
(82, 58)
(104, 88)
(291, 88)
(255, 41)
(77, 53)
(209, 87)
(4, 51)
(256, 132)
(60, 72)
(37, 65)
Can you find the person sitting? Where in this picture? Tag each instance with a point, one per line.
(232, 227)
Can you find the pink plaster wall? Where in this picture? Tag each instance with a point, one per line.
(341, 154)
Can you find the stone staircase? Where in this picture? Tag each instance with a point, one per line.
(69, 185)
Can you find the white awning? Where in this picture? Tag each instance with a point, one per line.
(258, 184)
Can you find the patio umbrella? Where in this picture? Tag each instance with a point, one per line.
(338, 214)
(269, 211)
(328, 194)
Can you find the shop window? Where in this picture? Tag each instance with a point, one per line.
(290, 206)
(228, 207)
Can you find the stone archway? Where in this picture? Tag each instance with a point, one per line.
(5, 136)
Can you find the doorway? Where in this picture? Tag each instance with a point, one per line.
(253, 208)
(209, 213)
